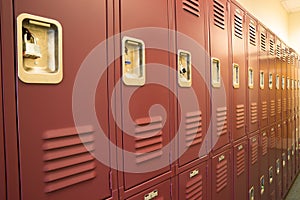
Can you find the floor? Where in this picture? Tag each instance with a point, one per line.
(294, 193)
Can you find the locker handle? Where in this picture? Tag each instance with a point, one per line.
(251, 193)
(261, 79)
(277, 82)
(270, 81)
(277, 166)
(270, 175)
(236, 76)
(282, 82)
(215, 73)
(262, 185)
(250, 78)
(184, 68)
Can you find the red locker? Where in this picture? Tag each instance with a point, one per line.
(219, 29)
(284, 158)
(49, 142)
(238, 73)
(264, 167)
(288, 81)
(252, 75)
(278, 162)
(263, 77)
(191, 137)
(272, 78)
(289, 151)
(148, 133)
(293, 149)
(240, 169)
(278, 79)
(284, 81)
(272, 162)
(192, 184)
(160, 191)
(293, 62)
(253, 161)
(221, 175)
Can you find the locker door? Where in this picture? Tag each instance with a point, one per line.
(284, 159)
(278, 162)
(289, 151)
(293, 149)
(263, 77)
(192, 184)
(288, 82)
(252, 75)
(264, 167)
(238, 72)
(293, 81)
(283, 82)
(218, 24)
(221, 176)
(148, 132)
(272, 162)
(254, 187)
(49, 141)
(272, 79)
(191, 138)
(278, 77)
(240, 170)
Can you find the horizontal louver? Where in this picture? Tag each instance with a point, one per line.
(191, 6)
(252, 34)
(219, 15)
(238, 26)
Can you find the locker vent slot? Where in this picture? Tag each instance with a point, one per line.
(240, 161)
(264, 110)
(221, 121)
(284, 54)
(272, 48)
(254, 113)
(284, 104)
(219, 15)
(272, 109)
(191, 6)
(254, 151)
(238, 26)
(263, 42)
(194, 188)
(240, 116)
(288, 56)
(193, 124)
(278, 53)
(272, 139)
(264, 145)
(148, 138)
(252, 34)
(278, 106)
(67, 158)
(221, 175)
(289, 102)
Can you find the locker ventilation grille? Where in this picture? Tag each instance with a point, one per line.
(240, 116)
(254, 151)
(221, 121)
(284, 104)
(272, 48)
(148, 139)
(264, 144)
(67, 160)
(272, 109)
(272, 139)
(240, 161)
(252, 34)
(293, 60)
(288, 56)
(254, 113)
(284, 54)
(289, 103)
(219, 15)
(278, 51)
(191, 6)
(222, 175)
(194, 188)
(263, 42)
(238, 26)
(264, 110)
(279, 106)
(193, 128)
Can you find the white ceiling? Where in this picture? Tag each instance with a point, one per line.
(291, 5)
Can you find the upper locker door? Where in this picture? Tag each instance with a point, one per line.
(288, 81)
(190, 25)
(283, 82)
(253, 75)
(271, 79)
(145, 95)
(56, 160)
(278, 77)
(238, 72)
(218, 24)
(263, 77)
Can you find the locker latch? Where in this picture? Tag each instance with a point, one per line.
(215, 73)
(262, 185)
(151, 195)
(277, 166)
(261, 79)
(236, 76)
(30, 47)
(270, 175)
(250, 78)
(194, 173)
(251, 193)
(184, 68)
(282, 83)
(283, 160)
(277, 82)
(270, 81)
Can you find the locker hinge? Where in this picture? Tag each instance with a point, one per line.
(110, 181)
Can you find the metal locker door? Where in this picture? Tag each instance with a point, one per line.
(221, 176)
(192, 184)
(253, 160)
(289, 152)
(146, 116)
(283, 81)
(238, 70)
(50, 144)
(263, 76)
(293, 148)
(293, 82)
(278, 77)
(272, 163)
(252, 75)
(193, 112)
(271, 79)
(288, 81)
(264, 168)
(240, 170)
(284, 158)
(219, 30)
(278, 162)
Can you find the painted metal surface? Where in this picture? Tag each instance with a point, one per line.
(271, 78)
(278, 162)
(264, 165)
(278, 80)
